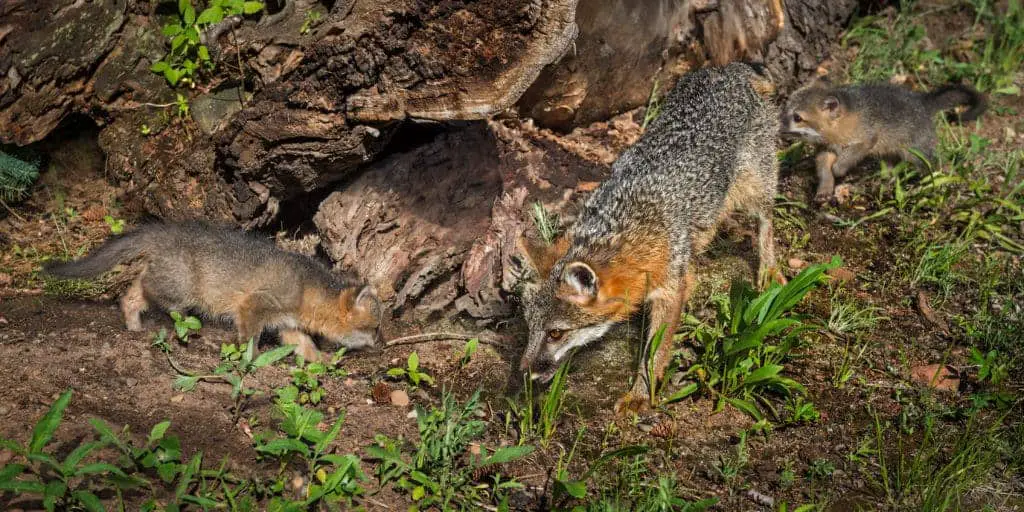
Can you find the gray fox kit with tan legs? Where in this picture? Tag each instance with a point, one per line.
(231, 275)
(854, 122)
(710, 151)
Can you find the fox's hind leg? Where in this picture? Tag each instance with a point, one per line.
(133, 304)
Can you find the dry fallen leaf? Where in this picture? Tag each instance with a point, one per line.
(935, 376)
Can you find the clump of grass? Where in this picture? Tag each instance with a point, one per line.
(540, 421)
(937, 267)
(744, 350)
(935, 473)
(653, 106)
(440, 471)
(546, 222)
(847, 316)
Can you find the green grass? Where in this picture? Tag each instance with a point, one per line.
(538, 417)
(902, 46)
(847, 315)
(546, 223)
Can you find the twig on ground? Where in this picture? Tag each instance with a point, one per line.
(440, 336)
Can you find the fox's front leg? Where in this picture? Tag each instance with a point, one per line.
(304, 345)
(826, 181)
(666, 306)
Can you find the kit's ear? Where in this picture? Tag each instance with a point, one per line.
(579, 283)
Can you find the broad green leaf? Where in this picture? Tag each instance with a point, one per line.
(683, 392)
(507, 453)
(763, 373)
(107, 434)
(329, 436)
(171, 30)
(204, 53)
(45, 459)
(76, 456)
(9, 471)
(210, 15)
(250, 352)
(414, 362)
(176, 42)
(158, 431)
(187, 475)
(186, 382)
(167, 471)
(418, 492)
(22, 487)
(13, 446)
(89, 500)
(53, 491)
(282, 446)
(47, 425)
(189, 16)
(273, 356)
(745, 406)
(159, 67)
(98, 468)
(575, 488)
(183, 5)
(252, 7)
(396, 372)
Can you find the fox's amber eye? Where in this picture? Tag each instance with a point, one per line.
(555, 334)
(797, 117)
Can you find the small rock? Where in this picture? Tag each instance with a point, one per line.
(645, 427)
(177, 398)
(412, 414)
(4, 410)
(1009, 134)
(298, 482)
(399, 398)
(349, 382)
(130, 382)
(331, 410)
(935, 376)
(797, 263)
(474, 448)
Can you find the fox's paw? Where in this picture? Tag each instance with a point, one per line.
(824, 197)
(632, 403)
(769, 276)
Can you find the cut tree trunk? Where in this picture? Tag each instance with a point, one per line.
(290, 111)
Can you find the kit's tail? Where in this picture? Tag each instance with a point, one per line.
(948, 97)
(113, 251)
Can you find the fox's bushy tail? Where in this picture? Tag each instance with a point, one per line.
(947, 97)
(113, 251)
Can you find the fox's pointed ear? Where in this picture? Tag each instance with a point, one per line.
(580, 282)
(534, 258)
(365, 302)
(831, 105)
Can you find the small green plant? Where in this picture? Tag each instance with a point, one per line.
(547, 223)
(412, 372)
(800, 410)
(305, 384)
(821, 469)
(185, 326)
(160, 341)
(237, 362)
(744, 350)
(729, 467)
(188, 55)
(467, 352)
(331, 478)
(540, 421)
(145, 129)
(116, 225)
(787, 477)
(853, 354)
(312, 18)
(62, 484)
(991, 367)
(441, 471)
(847, 316)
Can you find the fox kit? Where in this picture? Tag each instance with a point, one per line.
(228, 274)
(857, 121)
(709, 152)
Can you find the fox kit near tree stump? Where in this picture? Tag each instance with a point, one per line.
(854, 122)
(711, 151)
(231, 275)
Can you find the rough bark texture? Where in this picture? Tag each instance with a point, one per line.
(290, 111)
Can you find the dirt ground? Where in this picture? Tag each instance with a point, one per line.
(49, 343)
